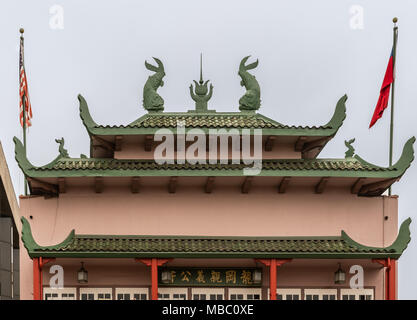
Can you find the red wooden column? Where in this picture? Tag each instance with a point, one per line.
(273, 264)
(154, 276)
(38, 264)
(36, 280)
(390, 277)
(154, 263)
(273, 280)
(392, 280)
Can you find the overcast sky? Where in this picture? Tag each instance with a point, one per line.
(310, 54)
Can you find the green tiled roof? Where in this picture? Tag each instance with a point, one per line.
(151, 122)
(234, 120)
(349, 167)
(109, 246)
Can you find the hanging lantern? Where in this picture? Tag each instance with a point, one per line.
(82, 274)
(257, 276)
(166, 276)
(339, 276)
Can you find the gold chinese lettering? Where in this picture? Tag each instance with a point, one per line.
(173, 275)
(185, 276)
(231, 276)
(215, 277)
(246, 277)
(200, 276)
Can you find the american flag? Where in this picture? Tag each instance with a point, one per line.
(23, 90)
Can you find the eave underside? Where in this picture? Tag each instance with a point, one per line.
(54, 186)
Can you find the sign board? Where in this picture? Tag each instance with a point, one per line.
(210, 277)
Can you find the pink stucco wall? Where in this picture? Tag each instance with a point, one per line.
(131, 151)
(262, 212)
(132, 148)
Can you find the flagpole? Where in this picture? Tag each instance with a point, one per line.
(391, 132)
(24, 124)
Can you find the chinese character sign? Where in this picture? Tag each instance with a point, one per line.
(207, 277)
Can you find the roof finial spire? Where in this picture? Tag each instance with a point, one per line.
(202, 93)
(201, 68)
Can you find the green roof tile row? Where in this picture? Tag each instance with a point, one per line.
(304, 164)
(204, 246)
(250, 121)
(143, 244)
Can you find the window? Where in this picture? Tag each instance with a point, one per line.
(245, 293)
(357, 294)
(103, 296)
(59, 293)
(207, 293)
(172, 293)
(96, 294)
(287, 294)
(320, 294)
(132, 293)
(87, 296)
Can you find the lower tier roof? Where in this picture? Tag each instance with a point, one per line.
(143, 246)
(63, 166)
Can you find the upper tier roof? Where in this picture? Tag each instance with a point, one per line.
(309, 140)
(152, 121)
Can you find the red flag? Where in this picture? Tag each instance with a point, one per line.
(23, 90)
(384, 92)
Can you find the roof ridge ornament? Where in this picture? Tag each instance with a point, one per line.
(200, 96)
(152, 101)
(62, 151)
(351, 150)
(251, 100)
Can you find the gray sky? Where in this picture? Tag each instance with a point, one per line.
(309, 56)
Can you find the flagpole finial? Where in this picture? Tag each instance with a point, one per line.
(395, 20)
(21, 30)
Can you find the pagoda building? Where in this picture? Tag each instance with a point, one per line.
(193, 222)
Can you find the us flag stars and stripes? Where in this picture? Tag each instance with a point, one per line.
(23, 91)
